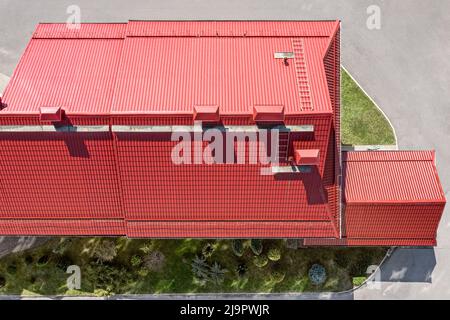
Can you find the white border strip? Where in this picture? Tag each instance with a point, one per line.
(50, 128)
(168, 129)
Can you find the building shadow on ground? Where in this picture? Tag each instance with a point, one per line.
(409, 265)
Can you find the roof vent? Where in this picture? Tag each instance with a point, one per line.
(306, 157)
(268, 113)
(285, 56)
(53, 114)
(206, 113)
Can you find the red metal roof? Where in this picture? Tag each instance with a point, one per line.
(103, 68)
(391, 176)
(165, 72)
(77, 75)
(391, 197)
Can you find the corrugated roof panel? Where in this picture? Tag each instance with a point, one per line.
(231, 28)
(391, 177)
(233, 73)
(77, 75)
(81, 31)
(228, 229)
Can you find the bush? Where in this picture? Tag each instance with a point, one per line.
(274, 254)
(357, 281)
(12, 268)
(241, 269)
(146, 248)
(105, 251)
(256, 246)
(292, 243)
(155, 261)
(208, 250)
(238, 247)
(342, 258)
(112, 279)
(136, 261)
(277, 276)
(63, 245)
(43, 260)
(63, 261)
(28, 259)
(2, 281)
(317, 274)
(359, 266)
(260, 261)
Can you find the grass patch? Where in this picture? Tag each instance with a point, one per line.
(362, 123)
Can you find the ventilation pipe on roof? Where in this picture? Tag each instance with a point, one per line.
(268, 114)
(206, 113)
(306, 157)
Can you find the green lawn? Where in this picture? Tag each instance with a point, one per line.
(42, 270)
(362, 123)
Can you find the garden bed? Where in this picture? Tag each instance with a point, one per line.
(121, 265)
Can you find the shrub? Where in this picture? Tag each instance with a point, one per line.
(317, 274)
(155, 261)
(216, 273)
(260, 261)
(292, 243)
(112, 279)
(63, 245)
(63, 261)
(12, 268)
(277, 276)
(274, 254)
(200, 268)
(238, 247)
(136, 261)
(43, 260)
(342, 258)
(28, 259)
(359, 266)
(256, 246)
(208, 250)
(2, 281)
(357, 281)
(105, 251)
(146, 248)
(241, 269)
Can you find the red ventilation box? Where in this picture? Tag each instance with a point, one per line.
(306, 157)
(53, 114)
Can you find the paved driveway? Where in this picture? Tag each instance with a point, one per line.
(404, 66)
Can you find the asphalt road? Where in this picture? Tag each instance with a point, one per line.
(404, 66)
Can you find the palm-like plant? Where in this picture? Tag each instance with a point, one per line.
(216, 273)
(200, 268)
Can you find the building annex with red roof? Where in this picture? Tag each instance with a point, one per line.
(86, 126)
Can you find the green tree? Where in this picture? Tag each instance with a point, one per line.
(256, 246)
(274, 254)
(238, 247)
